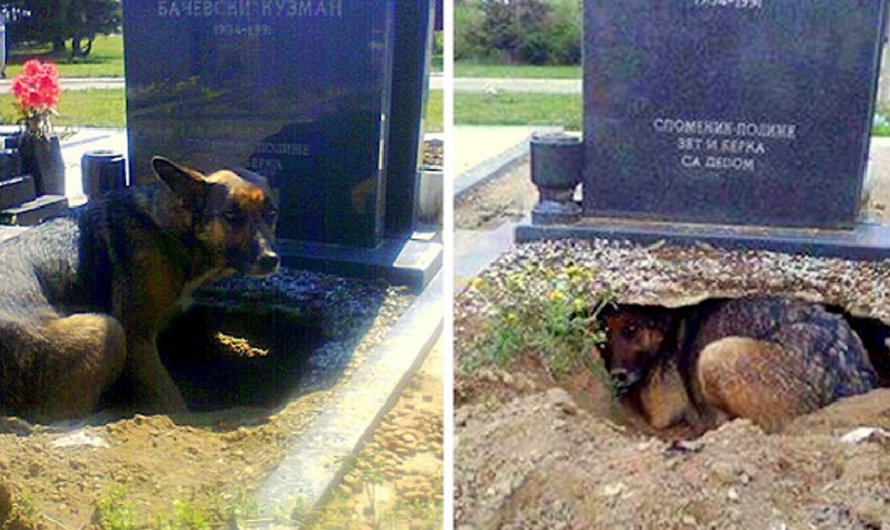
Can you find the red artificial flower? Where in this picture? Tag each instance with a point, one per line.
(37, 87)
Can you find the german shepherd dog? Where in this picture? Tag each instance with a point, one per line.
(764, 358)
(84, 295)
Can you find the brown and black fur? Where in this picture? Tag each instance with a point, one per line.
(84, 295)
(764, 358)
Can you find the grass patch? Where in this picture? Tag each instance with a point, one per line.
(106, 59)
(516, 108)
(880, 125)
(114, 511)
(107, 108)
(79, 108)
(435, 113)
(464, 69)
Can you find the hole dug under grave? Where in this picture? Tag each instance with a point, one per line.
(645, 403)
(222, 356)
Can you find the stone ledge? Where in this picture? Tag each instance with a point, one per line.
(865, 242)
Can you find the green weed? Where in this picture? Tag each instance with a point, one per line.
(552, 316)
(186, 516)
(114, 511)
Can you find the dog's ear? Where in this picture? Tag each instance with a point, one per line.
(188, 185)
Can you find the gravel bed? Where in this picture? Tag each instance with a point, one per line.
(433, 153)
(336, 303)
(672, 276)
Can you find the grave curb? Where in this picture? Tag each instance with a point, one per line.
(495, 166)
(868, 241)
(316, 464)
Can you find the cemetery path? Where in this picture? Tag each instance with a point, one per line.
(541, 86)
(76, 83)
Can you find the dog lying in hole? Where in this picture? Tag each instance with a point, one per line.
(765, 358)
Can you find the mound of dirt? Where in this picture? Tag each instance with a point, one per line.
(541, 461)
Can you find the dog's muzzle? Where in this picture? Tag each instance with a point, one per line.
(623, 380)
(266, 264)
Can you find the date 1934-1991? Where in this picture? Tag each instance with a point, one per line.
(732, 4)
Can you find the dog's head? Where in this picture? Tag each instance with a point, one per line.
(233, 216)
(636, 336)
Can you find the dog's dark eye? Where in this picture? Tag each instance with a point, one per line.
(629, 332)
(235, 216)
(271, 215)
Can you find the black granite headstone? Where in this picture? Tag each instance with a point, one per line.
(298, 90)
(752, 112)
(413, 41)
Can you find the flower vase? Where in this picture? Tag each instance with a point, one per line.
(42, 159)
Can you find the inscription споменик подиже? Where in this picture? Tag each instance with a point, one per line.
(250, 8)
(723, 144)
(731, 4)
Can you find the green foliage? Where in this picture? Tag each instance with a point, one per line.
(114, 511)
(469, 35)
(235, 508)
(106, 60)
(20, 515)
(556, 41)
(553, 316)
(518, 31)
(59, 21)
(881, 124)
(186, 516)
(438, 58)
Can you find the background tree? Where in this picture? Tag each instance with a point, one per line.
(518, 31)
(57, 22)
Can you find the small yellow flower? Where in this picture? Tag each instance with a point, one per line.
(578, 304)
(557, 296)
(511, 318)
(477, 283)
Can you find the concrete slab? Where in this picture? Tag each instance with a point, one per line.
(474, 250)
(314, 465)
(475, 145)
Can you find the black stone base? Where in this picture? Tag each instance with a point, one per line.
(16, 190)
(868, 241)
(555, 213)
(406, 262)
(33, 212)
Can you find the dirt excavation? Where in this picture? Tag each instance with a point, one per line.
(541, 442)
(282, 348)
